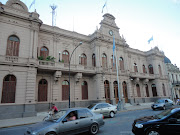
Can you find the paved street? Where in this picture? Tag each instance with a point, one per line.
(121, 124)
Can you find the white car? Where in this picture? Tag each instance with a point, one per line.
(106, 109)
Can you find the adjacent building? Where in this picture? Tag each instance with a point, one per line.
(34, 65)
(174, 79)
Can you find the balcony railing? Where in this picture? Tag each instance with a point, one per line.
(176, 82)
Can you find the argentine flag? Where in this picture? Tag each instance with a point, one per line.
(32, 4)
(104, 6)
(150, 40)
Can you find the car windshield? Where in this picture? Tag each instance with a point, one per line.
(164, 114)
(91, 106)
(160, 101)
(57, 115)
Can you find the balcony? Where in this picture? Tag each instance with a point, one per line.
(176, 83)
(142, 75)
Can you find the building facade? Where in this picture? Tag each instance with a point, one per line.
(174, 80)
(34, 65)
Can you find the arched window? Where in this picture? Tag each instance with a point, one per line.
(113, 64)
(135, 67)
(84, 90)
(154, 91)
(104, 60)
(147, 90)
(144, 69)
(151, 69)
(94, 60)
(65, 90)
(83, 60)
(160, 72)
(138, 90)
(44, 52)
(65, 56)
(121, 62)
(13, 46)
(164, 90)
(42, 90)
(9, 89)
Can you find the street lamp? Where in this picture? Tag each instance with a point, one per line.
(59, 56)
(80, 43)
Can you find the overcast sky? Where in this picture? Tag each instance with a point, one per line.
(138, 20)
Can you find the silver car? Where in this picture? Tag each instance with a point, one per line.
(83, 120)
(162, 104)
(106, 109)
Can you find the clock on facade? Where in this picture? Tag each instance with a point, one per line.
(111, 32)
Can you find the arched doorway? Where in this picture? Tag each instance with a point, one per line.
(116, 91)
(154, 91)
(9, 89)
(138, 90)
(107, 91)
(125, 91)
(147, 90)
(104, 60)
(42, 90)
(84, 87)
(65, 90)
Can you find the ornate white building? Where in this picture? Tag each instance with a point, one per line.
(174, 79)
(34, 65)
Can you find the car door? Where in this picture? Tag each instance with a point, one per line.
(171, 127)
(85, 119)
(105, 109)
(68, 127)
(98, 108)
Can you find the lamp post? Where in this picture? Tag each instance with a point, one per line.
(80, 43)
(59, 56)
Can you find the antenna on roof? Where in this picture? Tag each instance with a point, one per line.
(53, 7)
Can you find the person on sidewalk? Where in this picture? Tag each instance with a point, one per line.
(177, 101)
(54, 109)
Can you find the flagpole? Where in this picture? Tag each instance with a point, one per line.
(119, 106)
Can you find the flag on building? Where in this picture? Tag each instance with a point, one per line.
(32, 4)
(114, 47)
(150, 40)
(104, 6)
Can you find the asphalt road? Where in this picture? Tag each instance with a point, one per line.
(121, 124)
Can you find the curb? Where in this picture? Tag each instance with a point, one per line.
(17, 125)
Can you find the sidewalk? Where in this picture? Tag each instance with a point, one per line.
(31, 120)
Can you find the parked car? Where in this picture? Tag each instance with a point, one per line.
(106, 109)
(83, 120)
(167, 122)
(162, 104)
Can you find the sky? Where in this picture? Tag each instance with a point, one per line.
(138, 20)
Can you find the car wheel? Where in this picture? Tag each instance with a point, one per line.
(94, 129)
(111, 114)
(152, 132)
(51, 133)
(164, 108)
(45, 118)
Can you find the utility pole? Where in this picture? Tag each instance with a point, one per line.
(53, 7)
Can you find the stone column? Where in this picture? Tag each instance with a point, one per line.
(29, 107)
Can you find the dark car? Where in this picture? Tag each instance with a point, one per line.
(165, 123)
(68, 121)
(162, 104)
